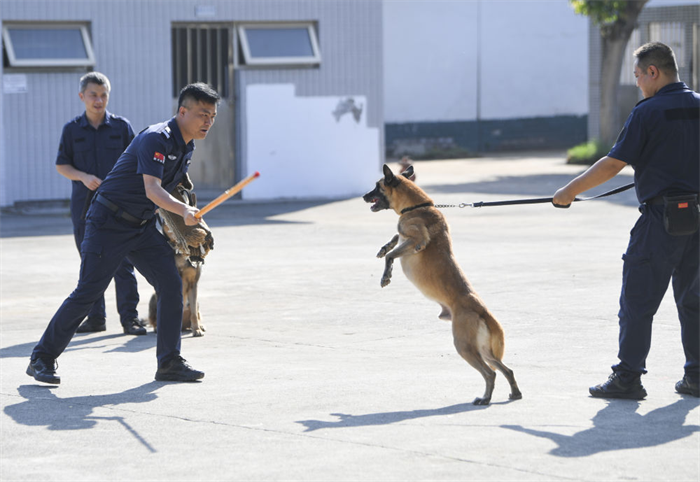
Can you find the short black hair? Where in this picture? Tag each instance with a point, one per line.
(659, 55)
(94, 78)
(200, 92)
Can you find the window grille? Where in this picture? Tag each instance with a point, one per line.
(201, 53)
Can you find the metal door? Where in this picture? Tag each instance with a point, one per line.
(204, 53)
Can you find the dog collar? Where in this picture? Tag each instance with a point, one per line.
(424, 205)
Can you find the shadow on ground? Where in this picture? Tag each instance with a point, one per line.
(618, 426)
(386, 418)
(133, 344)
(42, 408)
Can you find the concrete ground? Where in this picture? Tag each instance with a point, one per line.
(314, 372)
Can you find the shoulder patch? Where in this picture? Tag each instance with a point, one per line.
(166, 132)
(158, 157)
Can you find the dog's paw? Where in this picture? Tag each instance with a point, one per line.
(199, 332)
(385, 281)
(382, 252)
(515, 396)
(482, 401)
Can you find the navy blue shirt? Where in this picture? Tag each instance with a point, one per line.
(91, 150)
(661, 141)
(159, 151)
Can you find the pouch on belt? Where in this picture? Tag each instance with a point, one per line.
(681, 214)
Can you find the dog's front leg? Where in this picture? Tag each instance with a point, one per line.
(388, 246)
(407, 247)
(197, 328)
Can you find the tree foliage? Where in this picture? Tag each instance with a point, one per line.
(601, 12)
(616, 20)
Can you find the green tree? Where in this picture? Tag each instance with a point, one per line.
(616, 19)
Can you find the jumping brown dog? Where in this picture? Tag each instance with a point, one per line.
(425, 249)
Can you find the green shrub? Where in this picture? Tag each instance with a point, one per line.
(587, 153)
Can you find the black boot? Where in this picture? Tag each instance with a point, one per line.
(177, 370)
(44, 370)
(133, 327)
(92, 325)
(615, 387)
(688, 386)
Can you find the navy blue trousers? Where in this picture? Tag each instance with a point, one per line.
(124, 279)
(108, 240)
(653, 259)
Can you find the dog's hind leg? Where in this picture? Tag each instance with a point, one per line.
(469, 337)
(515, 393)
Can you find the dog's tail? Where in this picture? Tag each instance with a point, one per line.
(498, 337)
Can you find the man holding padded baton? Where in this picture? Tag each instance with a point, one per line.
(120, 223)
(661, 141)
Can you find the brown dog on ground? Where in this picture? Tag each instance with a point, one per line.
(425, 249)
(191, 244)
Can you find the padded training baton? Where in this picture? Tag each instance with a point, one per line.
(227, 194)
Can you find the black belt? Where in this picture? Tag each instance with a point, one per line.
(655, 201)
(119, 212)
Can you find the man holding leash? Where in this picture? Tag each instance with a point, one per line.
(661, 141)
(120, 223)
(90, 146)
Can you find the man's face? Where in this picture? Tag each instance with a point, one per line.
(645, 81)
(196, 119)
(95, 97)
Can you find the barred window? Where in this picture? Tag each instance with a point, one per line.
(201, 53)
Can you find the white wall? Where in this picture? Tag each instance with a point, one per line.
(429, 59)
(533, 59)
(301, 150)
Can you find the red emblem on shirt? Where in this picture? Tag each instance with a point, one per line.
(158, 157)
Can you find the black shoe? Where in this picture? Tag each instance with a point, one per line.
(133, 327)
(688, 387)
(616, 388)
(177, 370)
(91, 325)
(44, 370)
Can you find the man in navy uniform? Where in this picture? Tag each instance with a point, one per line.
(90, 146)
(661, 141)
(120, 223)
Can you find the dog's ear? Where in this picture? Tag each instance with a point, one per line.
(408, 172)
(389, 178)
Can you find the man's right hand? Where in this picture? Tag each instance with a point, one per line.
(188, 215)
(563, 198)
(91, 182)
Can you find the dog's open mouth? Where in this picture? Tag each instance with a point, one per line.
(377, 198)
(375, 204)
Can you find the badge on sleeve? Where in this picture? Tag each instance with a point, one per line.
(158, 157)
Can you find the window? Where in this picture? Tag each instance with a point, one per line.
(47, 45)
(201, 53)
(671, 34)
(627, 72)
(279, 44)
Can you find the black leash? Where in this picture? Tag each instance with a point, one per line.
(540, 200)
